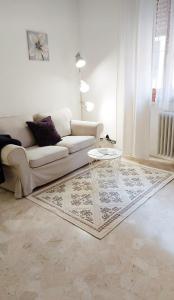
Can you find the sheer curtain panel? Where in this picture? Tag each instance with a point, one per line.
(163, 56)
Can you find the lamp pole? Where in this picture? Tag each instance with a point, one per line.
(81, 98)
(84, 87)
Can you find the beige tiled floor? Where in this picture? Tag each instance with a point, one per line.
(43, 257)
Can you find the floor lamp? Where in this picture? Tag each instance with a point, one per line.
(84, 87)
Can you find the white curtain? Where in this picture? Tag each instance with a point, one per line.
(134, 76)
(163, 55)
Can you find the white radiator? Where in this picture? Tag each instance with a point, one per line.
(166, 134)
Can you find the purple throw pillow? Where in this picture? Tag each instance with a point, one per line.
(44, 132)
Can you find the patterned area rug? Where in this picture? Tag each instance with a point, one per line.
(99, 206)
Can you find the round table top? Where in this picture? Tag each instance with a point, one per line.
(104, 153)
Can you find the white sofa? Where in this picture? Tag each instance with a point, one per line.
(31, 166)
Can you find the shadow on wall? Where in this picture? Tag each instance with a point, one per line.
(102, 78)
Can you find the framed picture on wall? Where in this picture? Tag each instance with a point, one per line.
(37, 46)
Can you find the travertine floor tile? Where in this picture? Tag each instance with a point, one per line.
(43, 257)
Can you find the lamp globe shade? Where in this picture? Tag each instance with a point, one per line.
(84, 87)
(89, 106)
(80, 62)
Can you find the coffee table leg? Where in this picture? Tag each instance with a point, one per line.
(93, 176)
(116, 168)
(92, 170)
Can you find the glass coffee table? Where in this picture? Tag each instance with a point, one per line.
(110, 155)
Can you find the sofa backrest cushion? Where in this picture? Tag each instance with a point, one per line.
(16, 127)
(61, 118)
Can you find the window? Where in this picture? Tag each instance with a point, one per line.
(160, 41)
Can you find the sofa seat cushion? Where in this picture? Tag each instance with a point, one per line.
(40, 156)
(76, 143)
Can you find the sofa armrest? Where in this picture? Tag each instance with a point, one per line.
(13, 155)
(86, 128)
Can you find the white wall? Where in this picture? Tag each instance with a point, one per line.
(31, 86)
(98, 44)
(95, 27)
